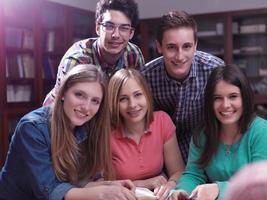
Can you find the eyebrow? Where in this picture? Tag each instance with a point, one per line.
(116, 24)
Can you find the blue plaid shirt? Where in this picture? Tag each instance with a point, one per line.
(87, 52)
(183, 101)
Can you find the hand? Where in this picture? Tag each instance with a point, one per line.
(179, 195)
(162, 191)
(125, 183)
(155, 182)
(115, 192)
(206, 192)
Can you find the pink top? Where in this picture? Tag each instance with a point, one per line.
(144, 160)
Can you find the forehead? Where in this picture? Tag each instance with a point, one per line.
(223, 87)
(178, 35)
(93, 89)
(130, 85)
(116, 17)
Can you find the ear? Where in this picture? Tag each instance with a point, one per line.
(131, 34)
(97, 28)
(196, 45)
(158, 47)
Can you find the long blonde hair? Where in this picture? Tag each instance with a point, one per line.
(73, 162)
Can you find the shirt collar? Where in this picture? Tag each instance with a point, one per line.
(192, 72)
(119, 134)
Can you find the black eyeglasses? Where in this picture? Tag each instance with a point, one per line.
(124, 29)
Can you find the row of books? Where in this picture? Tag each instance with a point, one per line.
(20, 66)
(19, 38)
(49, 68)
(19, 93)
(219, 30)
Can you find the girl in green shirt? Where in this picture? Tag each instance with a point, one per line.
(231, 137)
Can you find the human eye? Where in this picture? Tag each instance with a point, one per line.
(96, 101)
(234, 96)
(79, 94)
(123, 99)
(216, 98)
(138, 94)
(124, 28)
(108, 26)
(187, 46)
(171, 47)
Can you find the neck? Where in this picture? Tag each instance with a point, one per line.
(109, 59)
(230, 134)
(134, 129)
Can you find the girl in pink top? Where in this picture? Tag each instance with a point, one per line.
(143, 141)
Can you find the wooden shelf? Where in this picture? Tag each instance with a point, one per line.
(39, 18)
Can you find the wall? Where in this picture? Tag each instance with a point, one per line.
(147, 7)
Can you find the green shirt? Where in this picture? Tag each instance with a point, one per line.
(227, 161)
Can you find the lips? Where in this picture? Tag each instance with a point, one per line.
(227, 113)
(134, 113)
(80, 114)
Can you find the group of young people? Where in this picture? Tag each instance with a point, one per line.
(180, 125)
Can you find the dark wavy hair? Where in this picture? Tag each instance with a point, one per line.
(128, 7)
(211, 126)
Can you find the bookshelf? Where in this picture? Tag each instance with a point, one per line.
(35, 34)
(238, 37)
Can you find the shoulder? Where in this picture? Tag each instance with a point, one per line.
(132, 47)
(258, 123)
(161, 115)
(81, 47)
(208, 61)
(153, 66)
(39, 118)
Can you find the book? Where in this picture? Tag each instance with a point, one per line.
(144, 194)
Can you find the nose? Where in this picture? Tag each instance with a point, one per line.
(226, 102)
(179, 55)
(132, 103)
(116, 32)
(86, 106)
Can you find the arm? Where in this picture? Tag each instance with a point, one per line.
(193, 174)
(253, 144)
(32, 140)
(174, 165)
(100, 192)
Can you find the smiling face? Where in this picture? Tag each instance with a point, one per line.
(132, 103)
(82, 101)
(178, 47)
(227, 104)
(113, 43)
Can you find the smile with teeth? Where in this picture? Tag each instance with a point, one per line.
(227, 113)
(133, 113)
(80, 114)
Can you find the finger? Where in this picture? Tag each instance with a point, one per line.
(194, 193)
(129, 184)
(160, 191)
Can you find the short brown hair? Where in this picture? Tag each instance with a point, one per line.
(176, 19)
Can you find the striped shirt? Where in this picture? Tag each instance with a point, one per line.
(183, 101)
(87, 52)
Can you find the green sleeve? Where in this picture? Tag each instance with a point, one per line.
(258, 133)
(222, 186)
(193, 175)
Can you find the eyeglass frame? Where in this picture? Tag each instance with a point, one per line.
(113, 27)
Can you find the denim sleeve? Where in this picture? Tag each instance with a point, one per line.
(34, 146)
(59, 192)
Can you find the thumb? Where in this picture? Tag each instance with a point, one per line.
(194, 193)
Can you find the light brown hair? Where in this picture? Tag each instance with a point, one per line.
(73, 162)
(114, 88)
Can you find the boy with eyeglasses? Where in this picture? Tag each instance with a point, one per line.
(116, 21)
